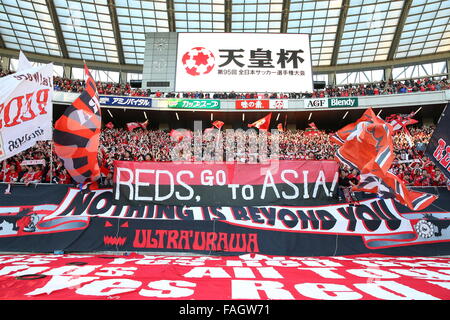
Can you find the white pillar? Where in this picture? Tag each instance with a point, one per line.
(4, 63)
(67, 72)
(387, 73)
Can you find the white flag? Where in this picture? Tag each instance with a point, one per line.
(26, 108)
(24, 64)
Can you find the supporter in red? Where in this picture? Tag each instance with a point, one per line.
(33, 175)
(38, 174)
(28, 175)
(11, 176)
(353, 177)
(422, 178)
(156, 145)
(439, 179)
(64, 177)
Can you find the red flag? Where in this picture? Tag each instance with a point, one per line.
(390, 186)
(180, 135)
(312, 125)
(143, 125)
(367, 145)
(104, 170)
(109, 125)
(77, 132)
(399, 121)
(132, 125)
(218, 124)
(263, 123)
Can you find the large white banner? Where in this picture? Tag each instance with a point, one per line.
(243, 62)
(25, 109)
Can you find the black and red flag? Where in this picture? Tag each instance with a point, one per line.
(77, 134)
(400, 121)
(438, 148)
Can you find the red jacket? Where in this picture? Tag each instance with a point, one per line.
(11, 176)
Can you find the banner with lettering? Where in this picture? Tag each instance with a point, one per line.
(438, 148)
(243, 286)
(26, 109)
(225, 183)
(113, 101)
(243, 62)
(319, 103)
(256, 104)
(342, 102)
(58, 217)
(191, 103)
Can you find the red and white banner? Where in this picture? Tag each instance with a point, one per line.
(240, 62)
(32, 162)
(257, 104)
(225, 183)
(245, 277)
(25, 108)
(278, 104)
(252, 104)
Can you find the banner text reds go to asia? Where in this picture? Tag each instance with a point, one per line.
(227, 184)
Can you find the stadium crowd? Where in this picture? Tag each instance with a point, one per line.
(143, 145)
(157, 145)
(348, 90)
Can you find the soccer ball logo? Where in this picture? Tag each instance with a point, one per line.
(198, 61)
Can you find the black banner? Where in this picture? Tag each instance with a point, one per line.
(70, 220)
(438, 149)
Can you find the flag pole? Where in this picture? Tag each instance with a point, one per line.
(51, 157)
(51, 147)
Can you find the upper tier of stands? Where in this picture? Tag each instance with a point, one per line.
(372, 89)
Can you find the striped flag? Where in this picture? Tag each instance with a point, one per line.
(367, 145)
(77, 132)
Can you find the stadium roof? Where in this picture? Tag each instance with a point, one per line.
(113, 31)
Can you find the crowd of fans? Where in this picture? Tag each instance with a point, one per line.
(348, 90)
(157, 145)
(142, 145)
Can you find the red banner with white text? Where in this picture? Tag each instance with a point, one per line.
(245, 277)
(227, 184)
